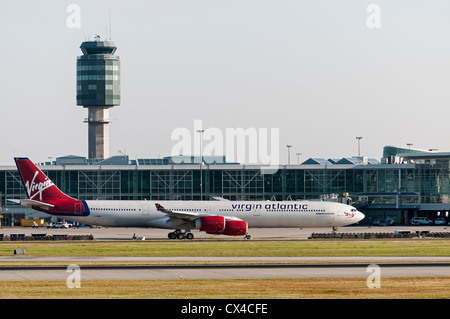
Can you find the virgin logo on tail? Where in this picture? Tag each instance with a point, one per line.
(34, 189)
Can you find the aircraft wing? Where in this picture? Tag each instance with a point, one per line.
(180, 214)
(31, 202)
(189, 215)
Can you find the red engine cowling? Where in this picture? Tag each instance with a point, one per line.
(212, 224)
(235, 228)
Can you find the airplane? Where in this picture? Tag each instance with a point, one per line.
(220, 217)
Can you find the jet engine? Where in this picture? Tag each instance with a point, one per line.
(211, 224)
(235, 228)
(218, 225)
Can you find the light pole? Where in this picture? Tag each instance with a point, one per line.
(359, 145)
(289, 154)
(298, 158)
(201, 163)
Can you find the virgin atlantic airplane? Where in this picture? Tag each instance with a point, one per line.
(225, 217)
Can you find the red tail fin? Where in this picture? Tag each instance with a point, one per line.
(37, 185)
(40, 188)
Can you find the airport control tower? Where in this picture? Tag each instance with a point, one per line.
(98, 89)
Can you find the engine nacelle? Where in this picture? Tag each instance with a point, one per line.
(217, 225)
(211, 224)
(235, 228)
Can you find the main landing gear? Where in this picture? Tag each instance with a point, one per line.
(178, 234)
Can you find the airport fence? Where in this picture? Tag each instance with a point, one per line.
(43, 237)
(375, 235)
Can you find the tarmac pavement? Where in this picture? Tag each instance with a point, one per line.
(120, 233)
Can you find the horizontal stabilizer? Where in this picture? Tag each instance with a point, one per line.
(31, 202)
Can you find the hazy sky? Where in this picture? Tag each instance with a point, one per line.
(312, 69)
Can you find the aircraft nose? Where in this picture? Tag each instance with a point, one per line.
(360, 216)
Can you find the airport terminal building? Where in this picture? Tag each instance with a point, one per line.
(404, 184)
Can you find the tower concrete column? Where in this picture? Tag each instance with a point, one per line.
(98, 132)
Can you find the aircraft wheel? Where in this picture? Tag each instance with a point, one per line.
(180, 236)
(172, 235)
(190, 236)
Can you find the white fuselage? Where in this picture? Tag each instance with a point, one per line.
(258, 214)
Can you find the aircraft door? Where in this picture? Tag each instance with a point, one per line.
(145, 209)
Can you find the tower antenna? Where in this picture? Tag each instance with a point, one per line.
(110, 25)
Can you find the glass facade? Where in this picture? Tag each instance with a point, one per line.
(418, 186)
(98, 75)
(100, 86)
(425, 183)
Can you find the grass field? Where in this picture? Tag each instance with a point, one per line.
(315, 288)
(233, 248)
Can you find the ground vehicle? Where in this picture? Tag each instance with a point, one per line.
(421, 221)
(384, 222)
(58, 225)
(32, 223)
(440, 221)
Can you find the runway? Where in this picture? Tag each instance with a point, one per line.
(222, 260)
(293, 267)
(225, 272)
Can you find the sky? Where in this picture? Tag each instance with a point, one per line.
(317, 71)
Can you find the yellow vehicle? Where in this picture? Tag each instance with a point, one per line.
(32, 222)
